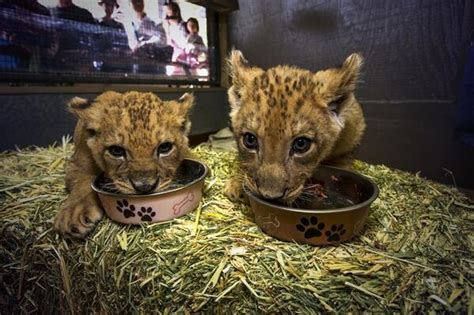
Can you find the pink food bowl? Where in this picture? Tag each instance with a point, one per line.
(165, 205)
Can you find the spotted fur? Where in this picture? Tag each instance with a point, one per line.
(285, 103)
(136, 122)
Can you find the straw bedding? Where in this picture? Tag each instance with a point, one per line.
(414, 255)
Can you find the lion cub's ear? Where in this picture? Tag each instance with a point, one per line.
(186, 102)
(238, 67)
(78, 104)
(339, 82)
(90, 112)
(238, 71)
(81, 108)
(349, 73)
(242, 75)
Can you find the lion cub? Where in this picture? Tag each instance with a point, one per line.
(287, 121)
(137, 139)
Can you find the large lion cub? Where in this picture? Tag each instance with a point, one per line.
(287, 121)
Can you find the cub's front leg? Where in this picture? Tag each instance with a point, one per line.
(234, 191)
(82, 210)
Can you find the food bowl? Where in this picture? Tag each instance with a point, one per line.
(324, 221)
(182, 197)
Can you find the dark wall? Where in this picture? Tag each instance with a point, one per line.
(414, 54)
(41, 119)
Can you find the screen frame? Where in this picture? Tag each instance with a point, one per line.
(212, 19)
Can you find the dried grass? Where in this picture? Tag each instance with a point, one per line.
(414, 256)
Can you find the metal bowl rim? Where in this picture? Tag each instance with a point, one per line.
(322, 211)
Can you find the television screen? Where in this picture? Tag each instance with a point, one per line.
(105, 41)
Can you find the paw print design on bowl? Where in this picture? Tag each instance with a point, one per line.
(146, 214)
(159, 206)
(310, 227)
(128, 210)
(320, 225)
(335, 233)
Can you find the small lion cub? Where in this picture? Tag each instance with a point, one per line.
(287, 121)
(137, 139)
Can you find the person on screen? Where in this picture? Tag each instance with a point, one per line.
(67, 10)
(108, 21)
(193, 29)
(112, 39)
(196, 51)
(141, 30)
(176, 31)
(27, 39)
(30, 5)
(77, 41)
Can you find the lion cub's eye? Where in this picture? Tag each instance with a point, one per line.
(164, 148)
(250, 141)
(116, 151)
(301, 145)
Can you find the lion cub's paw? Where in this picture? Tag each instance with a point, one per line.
(78, 219)
(234, 191)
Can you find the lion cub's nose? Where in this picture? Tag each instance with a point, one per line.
(144, 186)
(143, 181)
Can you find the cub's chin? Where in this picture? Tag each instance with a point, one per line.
(288, 199)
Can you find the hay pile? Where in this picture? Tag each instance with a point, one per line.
(415, 255)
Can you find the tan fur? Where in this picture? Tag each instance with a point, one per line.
(137, 122)
(282, 104)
